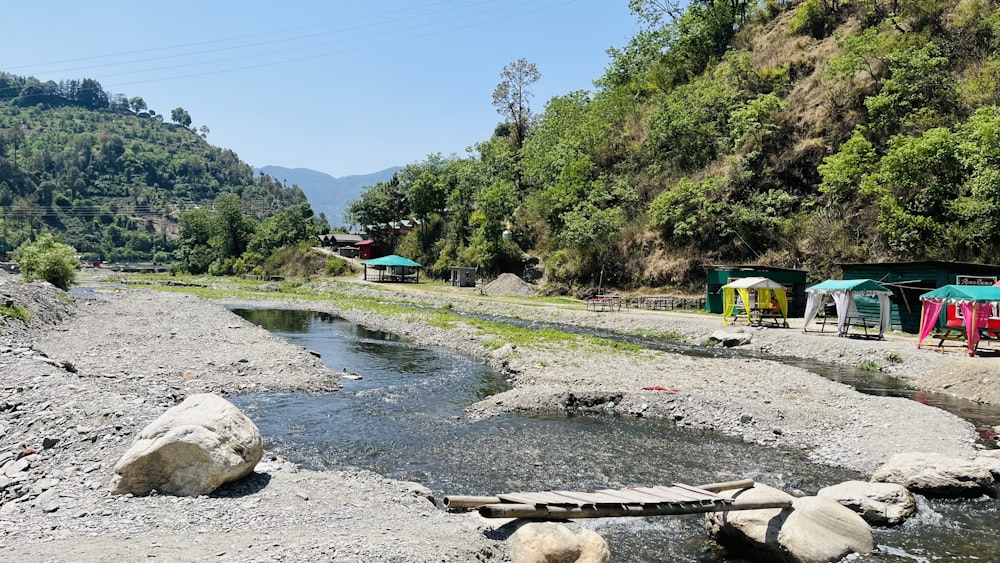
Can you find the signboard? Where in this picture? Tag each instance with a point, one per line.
(975, 280)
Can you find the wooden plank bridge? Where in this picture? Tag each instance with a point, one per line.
(634, 501)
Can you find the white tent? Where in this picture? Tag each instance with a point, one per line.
(842, 293)
(763, 287)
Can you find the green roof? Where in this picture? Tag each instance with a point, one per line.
(952, 293)
(392, 260)
(856, 286)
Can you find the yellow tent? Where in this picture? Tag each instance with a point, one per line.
(763, 287)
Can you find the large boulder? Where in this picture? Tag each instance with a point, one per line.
(935, 475)
(881, 504)
(549, 542)
(813, 530)
(190, 450)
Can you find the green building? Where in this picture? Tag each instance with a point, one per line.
(909, 280)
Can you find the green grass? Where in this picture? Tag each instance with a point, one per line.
(15, 311)
(869, 365)
(894, 357)
(340, 295)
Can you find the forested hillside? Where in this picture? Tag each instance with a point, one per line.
(798, 134)
(108, 175)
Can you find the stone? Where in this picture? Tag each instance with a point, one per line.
(813, 530)
(549, 542)
(990, 460)
(935, 475)
(729, 339)
(190, 450)
(880, 504)
(419, 490)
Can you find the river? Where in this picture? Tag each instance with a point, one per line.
(404, 419)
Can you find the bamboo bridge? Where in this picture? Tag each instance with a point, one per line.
(633, 501)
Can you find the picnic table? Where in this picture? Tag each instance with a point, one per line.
(606, 303)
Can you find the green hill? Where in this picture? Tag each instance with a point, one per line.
(109, 175)
(801, 134)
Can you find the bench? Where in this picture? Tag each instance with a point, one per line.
(863, 322)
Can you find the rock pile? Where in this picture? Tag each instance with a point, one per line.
(29, 306)
(509, 285)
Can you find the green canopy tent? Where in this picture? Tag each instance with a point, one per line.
(843, 293)
(393, 268)
(976, 303)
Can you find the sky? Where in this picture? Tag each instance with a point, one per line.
(343, 87)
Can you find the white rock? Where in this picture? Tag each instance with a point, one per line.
(813, 530)
(935, 474)
(190, 450)
(547, 542)
(881, 504)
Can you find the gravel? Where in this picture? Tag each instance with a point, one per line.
(82, 378)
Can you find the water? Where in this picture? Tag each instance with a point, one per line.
(403, 420)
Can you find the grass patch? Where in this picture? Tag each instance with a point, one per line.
(15, 311)
(894, 357)
(869, 365)
(385, 303)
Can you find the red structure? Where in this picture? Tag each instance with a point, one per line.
(368, 249)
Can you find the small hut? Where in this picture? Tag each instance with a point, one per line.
(463, 277)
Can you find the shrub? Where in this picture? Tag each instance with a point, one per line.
(46, 259)
(811, 18)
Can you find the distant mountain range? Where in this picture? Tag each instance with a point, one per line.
(326, 194)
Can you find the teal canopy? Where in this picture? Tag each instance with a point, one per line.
(844, 293)
(854, 286)
(957, 293)
(392, 260)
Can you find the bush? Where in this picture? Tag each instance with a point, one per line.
(810, 18)
(46, 259)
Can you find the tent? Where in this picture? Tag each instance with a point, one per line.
(393, 268)
(843, 293)
(763, 287)
(975, 301)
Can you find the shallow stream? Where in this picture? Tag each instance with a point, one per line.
(403, 419)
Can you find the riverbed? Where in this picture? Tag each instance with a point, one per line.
(404, 418)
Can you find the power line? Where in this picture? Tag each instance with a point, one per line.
(344, 50)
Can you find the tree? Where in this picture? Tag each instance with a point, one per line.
(181, 117)
(46, 259)
(511, 100)
(232, 229)
(137, 104)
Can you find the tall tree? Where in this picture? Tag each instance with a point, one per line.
(511, 100)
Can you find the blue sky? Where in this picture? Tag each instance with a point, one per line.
(341, 87)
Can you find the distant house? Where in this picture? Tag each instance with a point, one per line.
(345, 244)
(368, 249)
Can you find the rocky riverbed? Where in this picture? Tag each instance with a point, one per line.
(84, 376)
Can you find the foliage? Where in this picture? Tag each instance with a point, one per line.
(812, 17)
(107, 174)
(15, 311)
(705, 140)
(49, 260)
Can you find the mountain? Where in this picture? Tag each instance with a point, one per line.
(326, 194)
